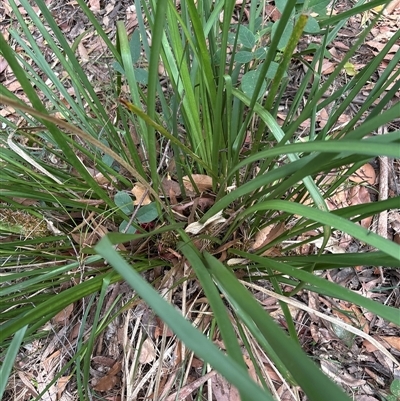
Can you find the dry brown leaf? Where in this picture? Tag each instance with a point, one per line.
(147, 352)
(101, 179)
(354, 316)
(103, 360)
(197, 363)
(332, 245)
(202, 181)
(394, 342)
(83, 239)
(7, 10)
(224, 391)
(343, 119)
(369, 346)
(6, 111)
(27, 379)
(160, 327)
(170, 186)
(63, 316)
(90, 238)
(380, 45)
(74, 332)
(251, 368)
(338, 200)
(131, 18)
(340, 45)
(13, 86)
(272, 12)
(393, 5)
(141, 195)
(305, 124)
(94, 6)
(285, 394)
(361, 320)
(205, 203)
(327, 67)
(107, 382)
(359, 195)
(49, 362)
(3, 64)
(365, 174)
(196, 227)
(266, 235)
(61, 384)
(83, 53)
(323, 117)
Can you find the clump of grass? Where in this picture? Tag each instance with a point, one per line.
(214, 119)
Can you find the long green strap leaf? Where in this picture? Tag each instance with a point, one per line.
(332, 220)
(192, 338)
(325, 287)
(304, 371)
(9, 359)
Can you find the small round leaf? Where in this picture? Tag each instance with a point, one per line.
(124, 202)
(246, 37)
(147, 213)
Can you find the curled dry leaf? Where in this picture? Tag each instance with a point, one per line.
(205, 202)
(328, 67)
(196, 227)
(141, 195)
(365, 174)
(237, 261)
(170, 186)
(61, 384)
(63, 316)
(202, 181)
(102, 180)
(332, 245)
(147, 352)
(266, 235)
